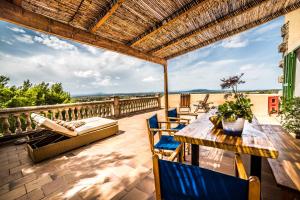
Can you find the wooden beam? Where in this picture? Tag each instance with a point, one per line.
(115, 5)
(17, 15)
(167, 21)
(78, 8)
(17, 2)
(238, 30)
(250, 5)
(166, 90)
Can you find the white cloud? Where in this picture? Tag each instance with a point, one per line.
(150, 79)
(7, 42)
(85, 74)
(91, 49)
(15, 29)
(54, 42)
(269, 27)
(246, 68)
(103, 81)
(235, 42)
(25, 38)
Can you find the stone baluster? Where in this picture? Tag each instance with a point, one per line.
(53, 115)
(67, 116)
(28, 122)
(90, 111)
(5, 125)
(18, 124)
(95, 110)
(79, 116)
(73, 116)
(60, 114)
(83, 112)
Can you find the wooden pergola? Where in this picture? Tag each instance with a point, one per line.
(152, 30)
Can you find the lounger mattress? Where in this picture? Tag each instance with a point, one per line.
(55, 144)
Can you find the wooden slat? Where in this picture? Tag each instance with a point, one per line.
(240, 167)
(166, 91)
(286, 169)
(239, 11)
(156, 177)
(73, 17)
(237, 30)
(167, 21)
(18, 2)
(17, 15)
(254, 189)
(115, 5)
(252, 142)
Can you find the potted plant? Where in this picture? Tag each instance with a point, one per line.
(291, 116)
(233, 113)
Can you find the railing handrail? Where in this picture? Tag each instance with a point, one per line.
(139, 98)
(115, 108)
(46, 107)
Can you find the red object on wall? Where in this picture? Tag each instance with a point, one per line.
(273, 104)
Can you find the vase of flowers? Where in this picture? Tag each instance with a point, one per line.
(234, 112)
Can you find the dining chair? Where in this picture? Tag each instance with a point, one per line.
(174, 115)
(177, 181)
(166, 144)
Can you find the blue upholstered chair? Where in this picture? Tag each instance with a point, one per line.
(176, 181)
(173, 115)
(166, 144)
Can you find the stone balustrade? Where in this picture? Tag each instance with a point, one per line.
(128, 106)
(18, 120)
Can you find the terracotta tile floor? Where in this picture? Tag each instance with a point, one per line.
(118, 167)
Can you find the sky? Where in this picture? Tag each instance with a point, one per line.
(83, 69)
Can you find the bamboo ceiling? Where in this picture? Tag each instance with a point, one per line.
(162, 29)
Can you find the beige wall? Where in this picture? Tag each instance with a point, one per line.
(260, 101)
(294, 29)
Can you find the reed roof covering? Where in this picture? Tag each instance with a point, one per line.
(161, 28)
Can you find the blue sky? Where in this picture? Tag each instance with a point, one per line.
(82, 69)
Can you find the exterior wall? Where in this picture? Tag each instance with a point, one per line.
(297, 78)
(293, 18)
(259, 101)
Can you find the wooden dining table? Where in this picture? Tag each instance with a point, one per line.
(253, 141)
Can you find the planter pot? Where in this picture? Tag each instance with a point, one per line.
(234, 128)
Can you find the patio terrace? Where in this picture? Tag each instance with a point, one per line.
(119, 167)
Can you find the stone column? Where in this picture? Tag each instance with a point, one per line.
(116, 106)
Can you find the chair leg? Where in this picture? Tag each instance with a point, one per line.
(188, 146)
(180, 156)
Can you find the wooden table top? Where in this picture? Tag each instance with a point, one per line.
(253, 140)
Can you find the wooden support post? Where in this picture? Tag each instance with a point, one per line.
(166, 92)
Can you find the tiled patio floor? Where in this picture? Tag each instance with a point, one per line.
(118, 167)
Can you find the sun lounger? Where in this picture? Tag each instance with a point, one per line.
(56, 139)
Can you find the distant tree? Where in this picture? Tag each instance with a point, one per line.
(31, 95)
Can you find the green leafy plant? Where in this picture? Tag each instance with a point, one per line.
(291, 115)
(240, 107)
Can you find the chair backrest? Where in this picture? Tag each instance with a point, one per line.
(152, 122)
(172, 113)
(206, 98)
(179, 181)
(185, 100)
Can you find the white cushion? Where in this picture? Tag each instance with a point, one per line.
(48, 123)
(94, 123)
(91, 124)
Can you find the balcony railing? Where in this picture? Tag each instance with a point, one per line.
(282, 48)
(284, 30)
(17, 120)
